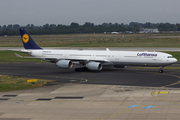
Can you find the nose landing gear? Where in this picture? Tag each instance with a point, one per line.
(161, 69)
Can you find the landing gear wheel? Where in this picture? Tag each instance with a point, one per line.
(160, 71)
(77, 69)
(83, 69)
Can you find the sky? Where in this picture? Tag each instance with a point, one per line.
(40, 12)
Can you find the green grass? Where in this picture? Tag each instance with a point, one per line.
(129, 42)
(97, 40)
(11, 83)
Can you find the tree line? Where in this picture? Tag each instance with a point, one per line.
(88, 27)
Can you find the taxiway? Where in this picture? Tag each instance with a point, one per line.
(111, 94)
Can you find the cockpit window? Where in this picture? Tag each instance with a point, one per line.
(170, 57)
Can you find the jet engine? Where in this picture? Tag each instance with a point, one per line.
(65, 64)
(94, 66)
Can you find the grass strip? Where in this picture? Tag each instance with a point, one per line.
(12, 83)
(97, 40)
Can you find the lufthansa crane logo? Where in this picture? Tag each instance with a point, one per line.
(25, 38)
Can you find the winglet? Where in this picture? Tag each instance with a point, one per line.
(107, 49)
(28, 42)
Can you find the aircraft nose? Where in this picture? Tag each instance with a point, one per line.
(175, 60)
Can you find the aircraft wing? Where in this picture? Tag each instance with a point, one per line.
(56, 59)
(87, 60)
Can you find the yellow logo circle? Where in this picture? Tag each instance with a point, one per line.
(25, 38)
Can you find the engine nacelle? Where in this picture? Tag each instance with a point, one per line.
(94, 66)
(65, 64)
(120, 66)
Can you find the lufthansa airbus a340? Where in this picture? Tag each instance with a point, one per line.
(94, 60)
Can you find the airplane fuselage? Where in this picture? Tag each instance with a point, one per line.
(109, 58)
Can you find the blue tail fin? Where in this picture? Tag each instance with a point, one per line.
(27, 40)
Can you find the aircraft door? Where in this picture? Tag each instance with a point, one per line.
(159, 58)
(117, 57)
(66, 55)
(38, 54)
(94, 56)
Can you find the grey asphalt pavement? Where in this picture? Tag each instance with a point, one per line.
(111, 94)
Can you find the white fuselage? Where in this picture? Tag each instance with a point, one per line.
(108, 58)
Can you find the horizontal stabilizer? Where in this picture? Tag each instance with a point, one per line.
(20, 50)
(18, 55)
(25, 56)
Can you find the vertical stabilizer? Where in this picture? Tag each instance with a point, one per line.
(28, 42)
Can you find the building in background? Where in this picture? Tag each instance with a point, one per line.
(148, 30)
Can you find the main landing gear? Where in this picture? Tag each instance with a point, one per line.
(161, 69)
(83, 69)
